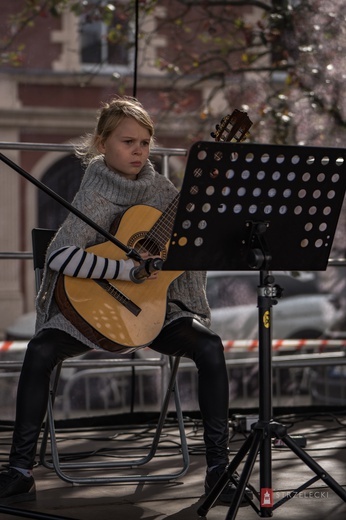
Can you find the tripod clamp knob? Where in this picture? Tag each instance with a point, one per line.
(258, 256)
(269, 289)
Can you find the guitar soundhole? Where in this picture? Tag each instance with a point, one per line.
(142, 243)
(148, 245)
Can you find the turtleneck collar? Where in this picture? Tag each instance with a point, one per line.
(116, 188)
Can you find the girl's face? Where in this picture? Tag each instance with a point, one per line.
(127, 148)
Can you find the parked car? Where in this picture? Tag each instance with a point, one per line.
(301, 311)
(328, 383)
(22, 328)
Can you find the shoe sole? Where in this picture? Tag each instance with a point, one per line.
(225, 498)
(15, 499)
(243, 502)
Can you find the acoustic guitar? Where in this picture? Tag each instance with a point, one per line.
(122, 316)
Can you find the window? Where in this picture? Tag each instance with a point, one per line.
(64, 178)
(105, 35)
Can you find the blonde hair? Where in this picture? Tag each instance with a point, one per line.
(110, 116)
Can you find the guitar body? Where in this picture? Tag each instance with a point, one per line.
(131, 315)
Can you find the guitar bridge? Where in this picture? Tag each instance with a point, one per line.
(119, 296)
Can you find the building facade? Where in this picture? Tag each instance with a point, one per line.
(68, 69)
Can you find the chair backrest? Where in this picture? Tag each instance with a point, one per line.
(40, 241)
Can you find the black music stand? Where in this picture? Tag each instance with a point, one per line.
(259, 207)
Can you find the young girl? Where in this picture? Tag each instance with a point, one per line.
(119, 174)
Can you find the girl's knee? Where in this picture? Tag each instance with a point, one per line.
(211, 351)
(40, 354)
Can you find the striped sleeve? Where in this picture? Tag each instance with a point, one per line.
(76, 262)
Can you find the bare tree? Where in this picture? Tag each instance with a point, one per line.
(285, 59)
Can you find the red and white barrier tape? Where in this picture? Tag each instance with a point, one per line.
(12, 345)
(246, 345)
(285, 344)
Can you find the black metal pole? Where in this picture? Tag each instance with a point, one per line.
(265, 397)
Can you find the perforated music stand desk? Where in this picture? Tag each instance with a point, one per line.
(296, 192)
(264, 207)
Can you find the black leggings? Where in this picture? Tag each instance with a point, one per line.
(184, 338)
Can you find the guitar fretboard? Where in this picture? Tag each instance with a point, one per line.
(161, 231)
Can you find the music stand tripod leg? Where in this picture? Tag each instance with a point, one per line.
(251, 447)
(315, 467)
(257, 441)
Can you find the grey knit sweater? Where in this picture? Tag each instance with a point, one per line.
(102, 195)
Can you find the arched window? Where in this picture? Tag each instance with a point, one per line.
(64, 178)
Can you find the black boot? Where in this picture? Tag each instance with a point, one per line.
(16, 487)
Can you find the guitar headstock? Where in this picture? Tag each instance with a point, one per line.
(233, 127)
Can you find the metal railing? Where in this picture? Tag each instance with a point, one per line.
(164, 153)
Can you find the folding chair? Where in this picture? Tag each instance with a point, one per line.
(40, 241)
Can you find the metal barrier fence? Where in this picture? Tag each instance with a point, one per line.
(301, 377)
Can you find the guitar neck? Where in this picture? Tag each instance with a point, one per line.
(162, 230)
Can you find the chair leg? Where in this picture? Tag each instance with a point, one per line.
(61, 467)
(51, 399)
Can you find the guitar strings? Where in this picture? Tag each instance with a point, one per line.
(157, 237)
